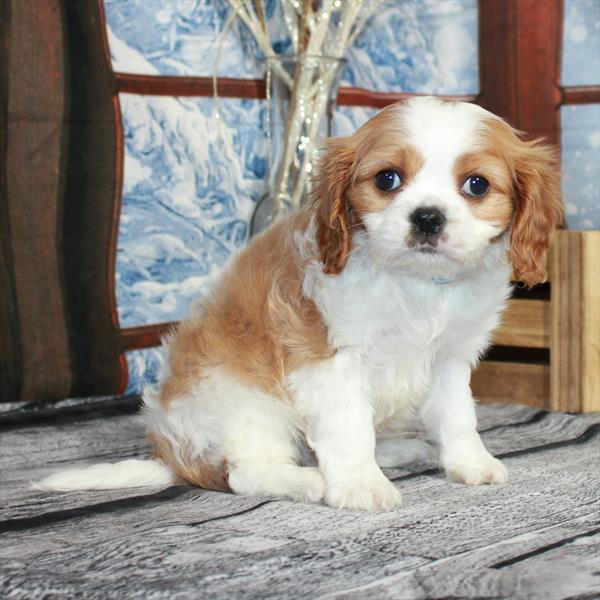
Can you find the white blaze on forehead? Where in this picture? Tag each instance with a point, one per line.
(443, 131)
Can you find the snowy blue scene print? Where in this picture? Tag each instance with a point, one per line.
(580, 125)
(581, 43)
(426, 46)
(581, 165)
(190, 186)
(144, 368)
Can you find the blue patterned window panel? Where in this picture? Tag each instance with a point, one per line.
(580, 126)
(347, 119)
(581, 43)
(426, 46)
(144, 368)
(190, 186)
(177, 37)
(420, 46)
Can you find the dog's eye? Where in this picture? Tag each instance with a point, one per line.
(388, 180)
(476, 186)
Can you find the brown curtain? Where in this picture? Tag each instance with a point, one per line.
(59, 193)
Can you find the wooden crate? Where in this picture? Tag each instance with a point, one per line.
(567, 324)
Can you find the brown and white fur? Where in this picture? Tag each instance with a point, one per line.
(343, 319)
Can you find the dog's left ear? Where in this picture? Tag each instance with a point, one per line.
(538, 210)
(333, 176)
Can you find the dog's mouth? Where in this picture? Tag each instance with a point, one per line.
(432, 251)
(426, 249)
(425, 244)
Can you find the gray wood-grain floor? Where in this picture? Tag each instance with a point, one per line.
(536, 537)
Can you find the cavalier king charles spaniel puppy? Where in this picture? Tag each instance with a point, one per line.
(368, 306)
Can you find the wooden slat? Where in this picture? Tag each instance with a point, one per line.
(520, 383)
(497, 77)
(519, 63)
(157, 85)
(146, 336)
(32, 153)
(352, 96)
(539, 48)
(575, 356)
(167, 85)
(526, 324)
(585, 94)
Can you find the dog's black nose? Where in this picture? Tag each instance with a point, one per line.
(428, 220)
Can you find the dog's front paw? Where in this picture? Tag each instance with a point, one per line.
(366, 489)
(475, 469)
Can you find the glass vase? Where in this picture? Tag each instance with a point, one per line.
(301, 95)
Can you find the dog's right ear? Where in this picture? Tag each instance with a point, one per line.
(334, 172)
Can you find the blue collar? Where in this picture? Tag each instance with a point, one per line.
(441, 280)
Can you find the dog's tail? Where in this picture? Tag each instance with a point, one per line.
(109, 476)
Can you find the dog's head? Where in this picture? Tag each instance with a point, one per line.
(430, 184)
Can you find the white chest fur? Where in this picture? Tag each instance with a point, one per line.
(401, 325)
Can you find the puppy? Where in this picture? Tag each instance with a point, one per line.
(370, 304)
